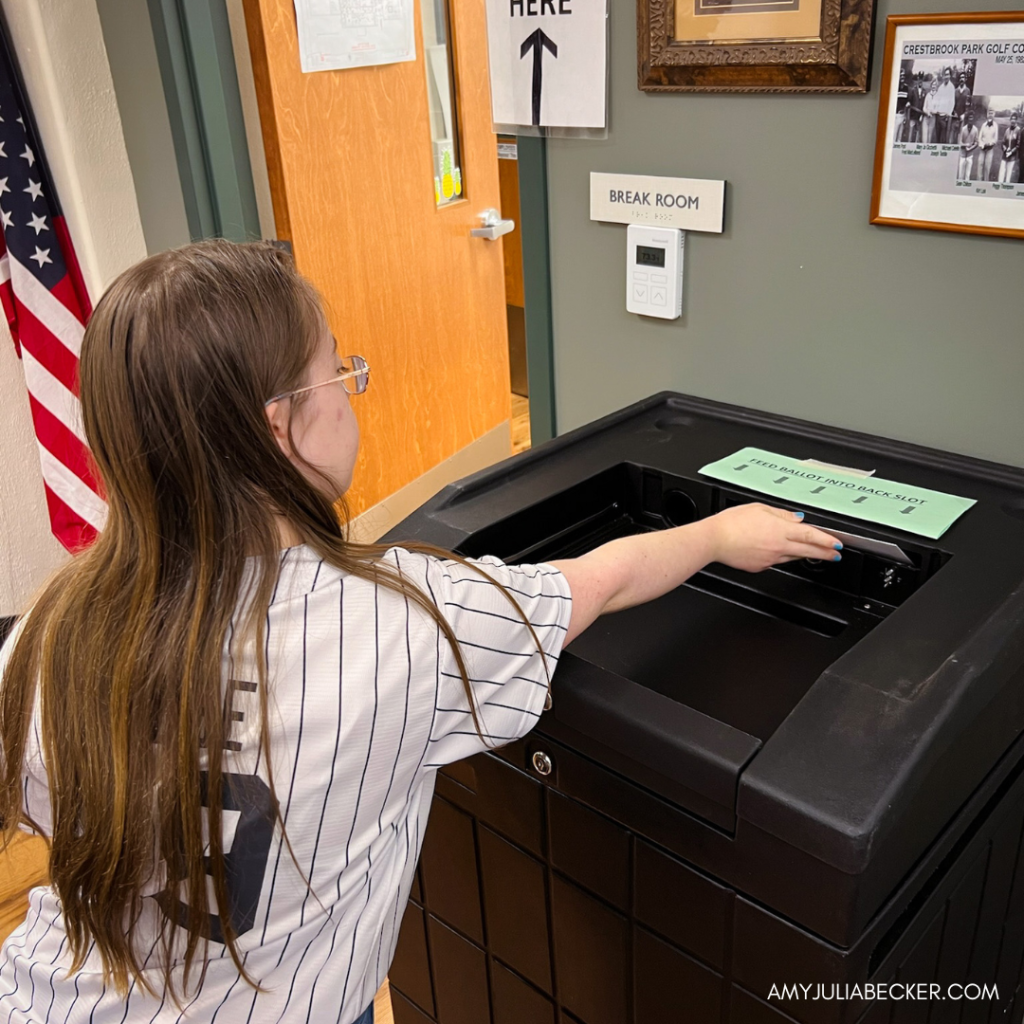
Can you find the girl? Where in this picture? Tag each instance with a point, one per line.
(226, 717)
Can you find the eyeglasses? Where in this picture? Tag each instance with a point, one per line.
(353, 368)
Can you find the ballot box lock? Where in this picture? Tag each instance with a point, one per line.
(542, 763)
(888, 581)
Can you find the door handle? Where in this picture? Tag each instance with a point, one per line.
(492, 226)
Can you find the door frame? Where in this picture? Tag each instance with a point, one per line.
(531, 152)
(200, 80)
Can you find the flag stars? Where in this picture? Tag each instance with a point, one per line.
(4, 187)
(29, 156)
(35, 189)
(8, 223)
(3, 152)
(38, 223)
(42, 256)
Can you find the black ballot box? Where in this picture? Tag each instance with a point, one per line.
(790, 796)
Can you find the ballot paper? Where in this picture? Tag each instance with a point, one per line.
(337, 34)
(901, 506)
(849, 470)
(874, 547)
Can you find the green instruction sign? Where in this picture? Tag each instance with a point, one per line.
(901, 506)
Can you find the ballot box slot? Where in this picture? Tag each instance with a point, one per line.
(862, 574)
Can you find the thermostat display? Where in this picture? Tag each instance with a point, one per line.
(654, 271)
(650, 256)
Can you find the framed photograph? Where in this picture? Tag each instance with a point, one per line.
(950, 124)
(754, 45)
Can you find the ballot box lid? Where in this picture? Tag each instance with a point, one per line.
(822, 712)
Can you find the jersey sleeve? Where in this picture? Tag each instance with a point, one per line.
(508, 675)
(34, 781)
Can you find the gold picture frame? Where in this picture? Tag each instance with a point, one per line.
(933, 176)
(754, 45)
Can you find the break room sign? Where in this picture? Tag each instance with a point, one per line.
(548, 61)
(903, 506)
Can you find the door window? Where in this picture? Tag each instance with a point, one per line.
(444, 117)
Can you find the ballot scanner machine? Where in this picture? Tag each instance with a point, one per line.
(811, 776)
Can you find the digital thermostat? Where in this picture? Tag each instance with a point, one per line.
(654, 271)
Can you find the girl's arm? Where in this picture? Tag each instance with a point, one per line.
(633, 570)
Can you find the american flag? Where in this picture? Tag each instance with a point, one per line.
(47, 305)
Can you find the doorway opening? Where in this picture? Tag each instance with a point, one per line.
(515, 301)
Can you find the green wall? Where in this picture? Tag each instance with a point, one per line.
(801, 307)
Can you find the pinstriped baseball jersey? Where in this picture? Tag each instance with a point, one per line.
(366, 702)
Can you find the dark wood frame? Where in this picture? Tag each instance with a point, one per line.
(839, 61)
(893, 22)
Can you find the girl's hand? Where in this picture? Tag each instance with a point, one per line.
(755, 536)
(632, 570)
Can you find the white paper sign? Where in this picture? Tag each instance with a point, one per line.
(693, 204)
(548, 61)
(353, 33)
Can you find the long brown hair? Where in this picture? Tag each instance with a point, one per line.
(124, 645)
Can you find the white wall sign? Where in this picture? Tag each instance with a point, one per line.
(693, 204)
(548, 60)
(354, 33)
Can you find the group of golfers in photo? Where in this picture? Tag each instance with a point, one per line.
(937, 106)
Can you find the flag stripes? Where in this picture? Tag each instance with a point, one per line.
(46, 307)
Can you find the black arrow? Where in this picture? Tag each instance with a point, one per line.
(907, 510)
(782, 479)
(817, 490)
(746, 465)
(536, 41)
(857, 501)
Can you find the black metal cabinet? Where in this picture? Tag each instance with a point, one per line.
(812, 776)
(605, 927)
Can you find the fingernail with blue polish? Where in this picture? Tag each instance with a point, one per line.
(838, 558)
(799, 515)
(838, 546)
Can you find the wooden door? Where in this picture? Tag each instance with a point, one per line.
(350, 160)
